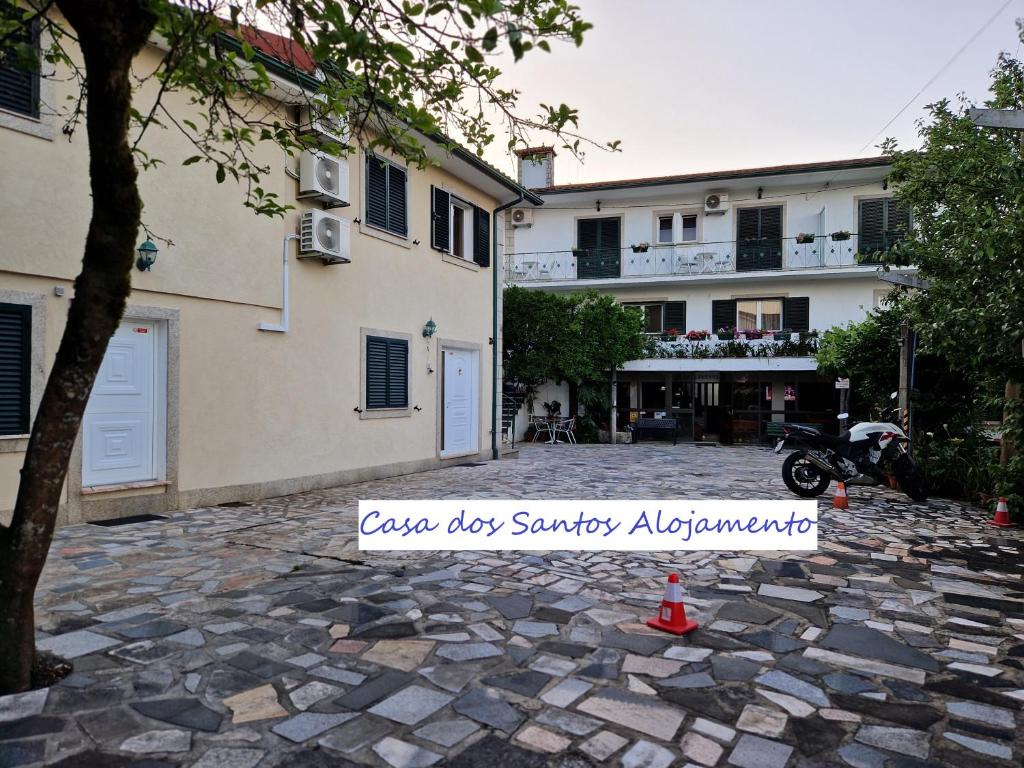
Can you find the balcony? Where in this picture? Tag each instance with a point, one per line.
(779, 344)
(686, 259)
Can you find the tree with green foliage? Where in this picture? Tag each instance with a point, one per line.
(578, 338)
(965, 186)
(395, 71)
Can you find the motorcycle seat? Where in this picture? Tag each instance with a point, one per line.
(842, 437)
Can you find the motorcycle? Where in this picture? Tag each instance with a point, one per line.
(866, 454)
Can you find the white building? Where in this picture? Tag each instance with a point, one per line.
(780, 251)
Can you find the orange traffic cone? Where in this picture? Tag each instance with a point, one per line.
(1002, 518)
(893, 482)
(840, 501)
(672, 616)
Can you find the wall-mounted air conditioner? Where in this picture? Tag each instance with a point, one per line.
(323, 178)
(522, 217)
(716, 203)
(325, 237)
(314, 122)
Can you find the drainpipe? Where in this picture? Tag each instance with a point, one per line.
(494, 324)
(283, 326)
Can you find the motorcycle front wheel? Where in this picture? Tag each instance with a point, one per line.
(803, 477)
(911, 479)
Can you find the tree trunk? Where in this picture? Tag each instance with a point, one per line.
(110, 34)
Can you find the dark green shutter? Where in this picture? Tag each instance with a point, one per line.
(600, 241)
(675, 315)
(871, 229)
(19, 88)
(723, 314)
(387, 372)
(481, 237)
(759, 238)
(376, 372)
(396, 201)
(440, 219)
(796, 313)
(15, 368)
(376, 192)
(398, 373)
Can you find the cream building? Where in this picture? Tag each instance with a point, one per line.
(238, 374)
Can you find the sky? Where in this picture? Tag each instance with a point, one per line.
(691, 86)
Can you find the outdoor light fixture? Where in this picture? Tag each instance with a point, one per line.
(760, 192)
(429, 329)
(147, 256)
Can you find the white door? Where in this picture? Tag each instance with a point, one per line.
(459, 432)
(121, 427)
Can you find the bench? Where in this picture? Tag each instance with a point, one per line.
(656, 425)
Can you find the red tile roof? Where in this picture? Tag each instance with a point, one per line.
(284, 49)
(535, 151)
(771, 170)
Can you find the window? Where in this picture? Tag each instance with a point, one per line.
(882, 222)
(387, 372)
(654, 317)
(664, 229)
(459, 228)
(15, 368)
(759, 314)
(690, 229)
(386, 196)
(19, 87)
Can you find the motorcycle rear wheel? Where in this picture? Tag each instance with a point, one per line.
(911, 479)
(803, 477)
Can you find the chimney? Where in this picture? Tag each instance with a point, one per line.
(536, 167)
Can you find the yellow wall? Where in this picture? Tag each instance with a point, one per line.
(254, 406)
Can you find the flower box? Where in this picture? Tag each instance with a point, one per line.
(840, 235)
(805, 238)
(640, 247)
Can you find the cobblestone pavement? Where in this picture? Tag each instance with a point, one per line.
(258, 635)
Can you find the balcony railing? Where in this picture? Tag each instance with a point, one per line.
(682, 259)
(804, 344)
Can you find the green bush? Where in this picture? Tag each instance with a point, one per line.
(960, 467)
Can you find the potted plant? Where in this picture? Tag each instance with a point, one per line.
(671, 334)
(554, 409)
(751, 334)
(696, 335)
(726, 334)
(805, 238)
(579, 253)
(640, 247)
(842, 234)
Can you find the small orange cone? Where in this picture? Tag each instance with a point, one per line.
(1002, 518)
(840, 501)
(893, 482)
(672, 616)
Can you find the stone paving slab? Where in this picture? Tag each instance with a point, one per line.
(258, 636)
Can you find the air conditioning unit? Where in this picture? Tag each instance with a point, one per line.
(522, 217)
(716, 203)
(325, 237)
(324, 127)
(323, 178)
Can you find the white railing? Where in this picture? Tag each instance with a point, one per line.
(684, 259)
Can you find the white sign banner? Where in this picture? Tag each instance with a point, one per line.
(633, 525)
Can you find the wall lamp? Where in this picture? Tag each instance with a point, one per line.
(147, 256)
(429, 329)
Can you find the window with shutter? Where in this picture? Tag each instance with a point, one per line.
(387, 373)
(759, 238)
(440, 219)
(481, 237)
(675, 315)
(15, 368)
(883, 222)
(599, 241)
(723, 314)
(386, 196)
(796, 313)
(19, 87)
